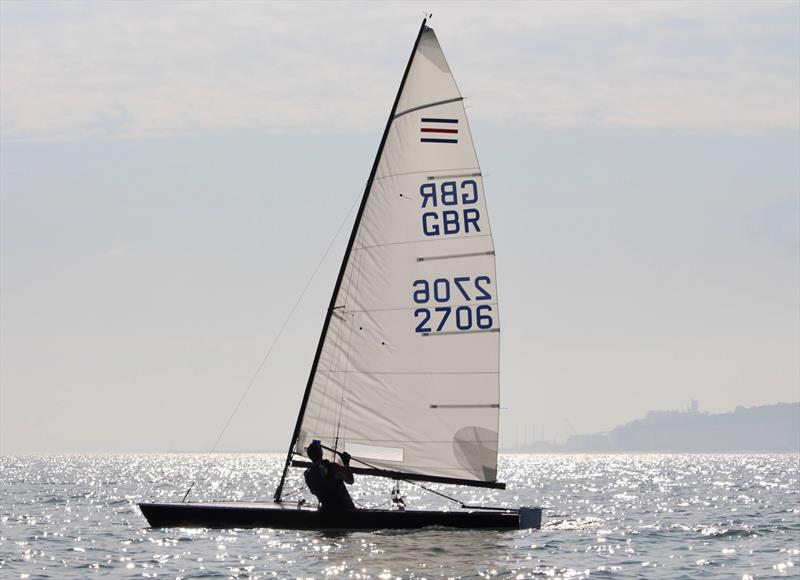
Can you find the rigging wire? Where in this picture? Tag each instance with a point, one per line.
(353, 269)
(355, 280)
(275, 341)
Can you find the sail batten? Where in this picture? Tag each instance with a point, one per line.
(422, 171)
(411, 372)
(419, 265)
(488, 252)
(428, 105)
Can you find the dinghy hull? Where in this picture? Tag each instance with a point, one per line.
(263, 515)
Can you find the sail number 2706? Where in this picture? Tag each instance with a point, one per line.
(442, 318)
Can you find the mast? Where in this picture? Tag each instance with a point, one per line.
(342, 268)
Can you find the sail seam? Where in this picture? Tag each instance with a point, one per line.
(422, 241)
(453, 332)
(415, 372)
(450, 441)
(456, 176)
(453, 256)
(399, 308)
(428, 171)
(467, 406)
(436, 104)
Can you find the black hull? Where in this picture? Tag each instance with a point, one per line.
(255, 515)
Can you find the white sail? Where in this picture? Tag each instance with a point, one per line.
(407, 377)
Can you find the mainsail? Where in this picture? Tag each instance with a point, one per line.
(406, 376)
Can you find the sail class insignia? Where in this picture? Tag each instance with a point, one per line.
(439, 130)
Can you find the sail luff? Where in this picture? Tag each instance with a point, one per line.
(343, 267)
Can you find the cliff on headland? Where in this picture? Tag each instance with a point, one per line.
(768, 428)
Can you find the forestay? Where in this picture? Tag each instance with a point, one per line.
(407, 376)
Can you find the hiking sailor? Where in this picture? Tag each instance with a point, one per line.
(326, 479)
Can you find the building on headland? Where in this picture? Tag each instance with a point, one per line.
(768, 428)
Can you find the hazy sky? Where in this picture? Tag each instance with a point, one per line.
(172, 173)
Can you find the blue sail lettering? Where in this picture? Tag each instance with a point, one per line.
(439, 309)
(471, 216)
(429, 225)
(450, 221)
(428, 192)
(472, 196)
(448, 190)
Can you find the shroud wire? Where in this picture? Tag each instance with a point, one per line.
(275, 341)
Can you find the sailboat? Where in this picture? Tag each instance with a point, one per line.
(405, 378)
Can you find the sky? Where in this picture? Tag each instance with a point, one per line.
(171, 174)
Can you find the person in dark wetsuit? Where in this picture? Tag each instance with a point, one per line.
(326, 480)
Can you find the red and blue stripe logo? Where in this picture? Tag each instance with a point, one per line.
(437, 130)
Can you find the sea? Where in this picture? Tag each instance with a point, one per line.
(607, 516)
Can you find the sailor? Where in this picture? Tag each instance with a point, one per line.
(326, 479)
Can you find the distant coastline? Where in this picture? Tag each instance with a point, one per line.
(766, 428)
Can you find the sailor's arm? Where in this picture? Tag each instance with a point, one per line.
(343, 471)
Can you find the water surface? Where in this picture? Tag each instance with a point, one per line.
(609, 516)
